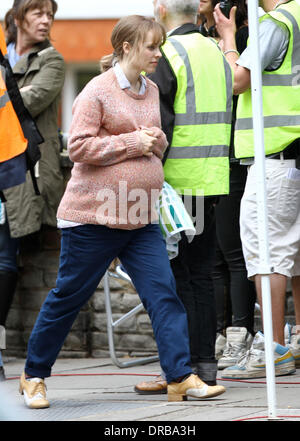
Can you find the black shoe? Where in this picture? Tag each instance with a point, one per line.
(2, 374)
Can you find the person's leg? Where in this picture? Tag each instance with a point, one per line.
(242, 290)
(8, 280)
(199, 261)
(278, 293)
(147, 263)
(296, 298)
(8, 270)
(283, 234)
(192, 269)
(86, 252)
(221, 281)
(294, 343)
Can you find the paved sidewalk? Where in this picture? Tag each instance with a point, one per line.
(96, 390)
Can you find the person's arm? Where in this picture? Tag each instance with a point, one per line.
(47, 83)
(273, 38)
(227, 30)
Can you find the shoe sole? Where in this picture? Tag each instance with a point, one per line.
(259, 374)
(227, 365)
(297, 360)
(150, 392)
(180, 397)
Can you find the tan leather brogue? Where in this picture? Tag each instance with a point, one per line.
(193, 387)
(156, 386)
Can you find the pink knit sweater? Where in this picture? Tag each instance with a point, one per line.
(112, 182)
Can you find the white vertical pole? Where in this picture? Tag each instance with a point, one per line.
(264, 269)
(68, 97)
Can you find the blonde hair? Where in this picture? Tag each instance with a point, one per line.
(133, 29)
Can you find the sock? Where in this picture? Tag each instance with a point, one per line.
(30, 377)
(181, 379)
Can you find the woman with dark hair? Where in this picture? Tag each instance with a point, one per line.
(19, 11)
(108, 211)
(235, 294)
(39, 71)
(207, 21)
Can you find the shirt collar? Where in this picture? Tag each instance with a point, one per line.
(124, 83)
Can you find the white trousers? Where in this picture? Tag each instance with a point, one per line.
(283, 205)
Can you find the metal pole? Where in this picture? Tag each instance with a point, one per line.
(264, 269)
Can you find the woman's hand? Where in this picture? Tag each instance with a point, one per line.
(148, 140)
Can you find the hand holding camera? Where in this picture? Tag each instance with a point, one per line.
(224, 15)
(225, 7)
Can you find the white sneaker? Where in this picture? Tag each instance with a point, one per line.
(220, 345)
(34, 391)
(294, 345)
(239, 340)
(252, 364)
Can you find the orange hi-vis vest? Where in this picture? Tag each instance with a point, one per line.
(12, 140)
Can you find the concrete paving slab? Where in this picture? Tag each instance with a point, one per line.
(96, 390)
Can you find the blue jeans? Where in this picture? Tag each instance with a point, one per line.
(86, 253)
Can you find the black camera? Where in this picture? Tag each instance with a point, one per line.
(225, 7)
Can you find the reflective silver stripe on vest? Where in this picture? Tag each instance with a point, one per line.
(269, 121)
(3, 71)
(191, 117)
(182, 119)
(229, 85)
(4, 99)
(215, 151)
(286, 80)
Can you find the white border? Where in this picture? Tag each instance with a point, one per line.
(93, 9)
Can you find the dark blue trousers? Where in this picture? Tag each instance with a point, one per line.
(86, 253)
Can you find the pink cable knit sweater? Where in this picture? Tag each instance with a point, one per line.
(112, 182)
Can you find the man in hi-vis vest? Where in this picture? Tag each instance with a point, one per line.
(279, 37)
(195, 85)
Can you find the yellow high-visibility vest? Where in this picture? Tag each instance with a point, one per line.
(198, 160)
(281, 95)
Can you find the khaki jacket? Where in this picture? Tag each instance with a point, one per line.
(42, 69)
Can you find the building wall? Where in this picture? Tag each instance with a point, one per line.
(82, 41)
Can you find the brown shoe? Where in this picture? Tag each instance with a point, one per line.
(192, 387)
(157, 386)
